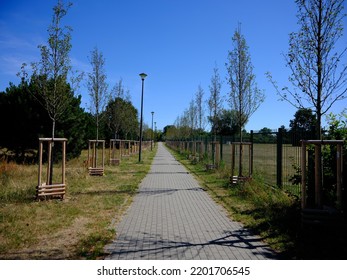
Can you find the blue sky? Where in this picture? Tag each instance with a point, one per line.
(176, 42)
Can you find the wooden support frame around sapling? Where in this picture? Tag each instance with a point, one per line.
(94, 167)
(46, 189)
(115, 160)
(318, 188)
(236, 179)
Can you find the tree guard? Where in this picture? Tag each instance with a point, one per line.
(318, 185)
(115, 160)
(45, 189)
(236, 179)
(94, 167)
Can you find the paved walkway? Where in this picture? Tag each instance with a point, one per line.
(172, 217)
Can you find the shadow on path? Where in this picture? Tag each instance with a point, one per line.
(153, 245)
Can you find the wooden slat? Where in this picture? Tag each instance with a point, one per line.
(52, 186)
(49, 192)
(54, 139)
(96, 171)
(323, 142)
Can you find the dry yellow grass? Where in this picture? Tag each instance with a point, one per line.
(75, 228)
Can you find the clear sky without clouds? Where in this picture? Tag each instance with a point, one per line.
(176, 42)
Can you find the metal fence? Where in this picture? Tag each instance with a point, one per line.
(274, 155)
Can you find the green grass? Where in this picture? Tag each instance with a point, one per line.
(77, 227)
(266, 210)
(265, 163)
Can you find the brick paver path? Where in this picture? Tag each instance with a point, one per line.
(172, 217)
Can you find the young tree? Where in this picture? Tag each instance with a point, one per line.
(119, 91)
(51, 72)
(318, 78)
(114, 114)
(215, 106)
(200, 111)
(121, 114)
(192, 117)
(97, 86)
(182, 123)
(245, 96)
(215, 100)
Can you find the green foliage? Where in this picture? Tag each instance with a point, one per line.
(226, 122)
(337, 131)
(303, 121)
(338, 126)
(24, 120)
(73, 127)
(262, 195)
(265, 135)
(121, 119)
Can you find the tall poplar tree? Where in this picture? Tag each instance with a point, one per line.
(97, 86)
(215, 100)
(245, 96)
(51, 72)
(318, 72)
(199, 97)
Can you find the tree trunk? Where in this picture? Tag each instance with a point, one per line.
(52, 155)
(318, 164)
(97, 138)
(318, 150)
(241, 152)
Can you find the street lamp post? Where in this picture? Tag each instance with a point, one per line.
(152, 132)
(143, 76)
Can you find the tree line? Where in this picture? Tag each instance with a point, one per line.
(318, 77)
(244, 98)
(46, 102)
(23, 120)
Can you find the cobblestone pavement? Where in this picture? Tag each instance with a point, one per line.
(172, 217)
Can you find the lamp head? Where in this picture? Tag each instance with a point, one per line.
(143, 76)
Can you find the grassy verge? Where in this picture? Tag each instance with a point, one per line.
(75, 228)
(268, 212)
